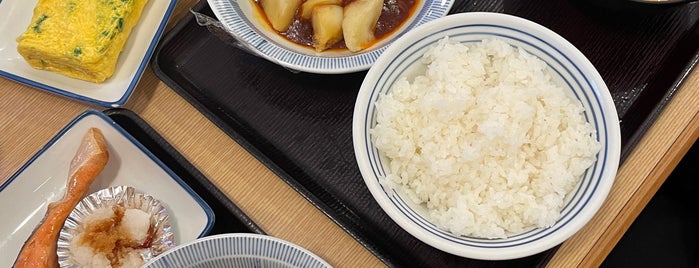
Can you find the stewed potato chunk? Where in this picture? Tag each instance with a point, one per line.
(308, 5)
(359, 22)
(327, 26)
(280, 13)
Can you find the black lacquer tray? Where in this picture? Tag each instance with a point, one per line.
(299, 125)
(228, 217)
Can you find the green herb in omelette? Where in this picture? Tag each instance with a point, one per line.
(37, 25)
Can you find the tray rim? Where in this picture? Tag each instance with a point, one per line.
(310, 197)
(180, 160)
(248, 146)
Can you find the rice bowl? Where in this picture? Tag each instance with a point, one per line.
(484, 139)
(569, 69)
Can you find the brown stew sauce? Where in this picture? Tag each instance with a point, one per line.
(393, 15)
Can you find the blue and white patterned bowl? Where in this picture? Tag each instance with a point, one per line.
(572, 68)
(242, 250)
(242, 20)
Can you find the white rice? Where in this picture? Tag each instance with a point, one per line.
(484, 139)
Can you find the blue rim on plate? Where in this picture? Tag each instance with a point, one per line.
(569, 65)
(200, 201)
(232, 17)
(209, 212)
(66, 90)
(238, 250)
(196, 216)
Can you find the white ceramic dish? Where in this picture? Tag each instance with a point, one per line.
(15, 15)
(241, 19)
(42, 180)
(570, 66)
(239, 250)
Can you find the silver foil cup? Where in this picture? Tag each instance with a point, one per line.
(127, 197)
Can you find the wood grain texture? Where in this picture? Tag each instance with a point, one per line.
(268, 200)
(29, 118)
(647, 167)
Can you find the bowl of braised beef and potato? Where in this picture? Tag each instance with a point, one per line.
(323, 36)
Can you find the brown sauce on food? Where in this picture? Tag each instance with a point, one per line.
(105, 237)
(393, 15)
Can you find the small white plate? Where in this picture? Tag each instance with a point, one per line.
(42, 180)
(240, 250)
(240, 19)
(15, 16)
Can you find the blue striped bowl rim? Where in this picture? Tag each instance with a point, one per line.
(571, 66)
(238, 250)
(232, 17)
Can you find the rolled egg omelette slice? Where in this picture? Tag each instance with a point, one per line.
(79, 38)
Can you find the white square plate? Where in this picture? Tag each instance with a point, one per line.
(26, 195)
(15, 16)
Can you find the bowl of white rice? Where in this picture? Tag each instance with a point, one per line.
(486, 136)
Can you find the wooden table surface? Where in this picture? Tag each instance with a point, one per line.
(29, 118)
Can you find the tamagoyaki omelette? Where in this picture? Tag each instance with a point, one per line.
(79, 38)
